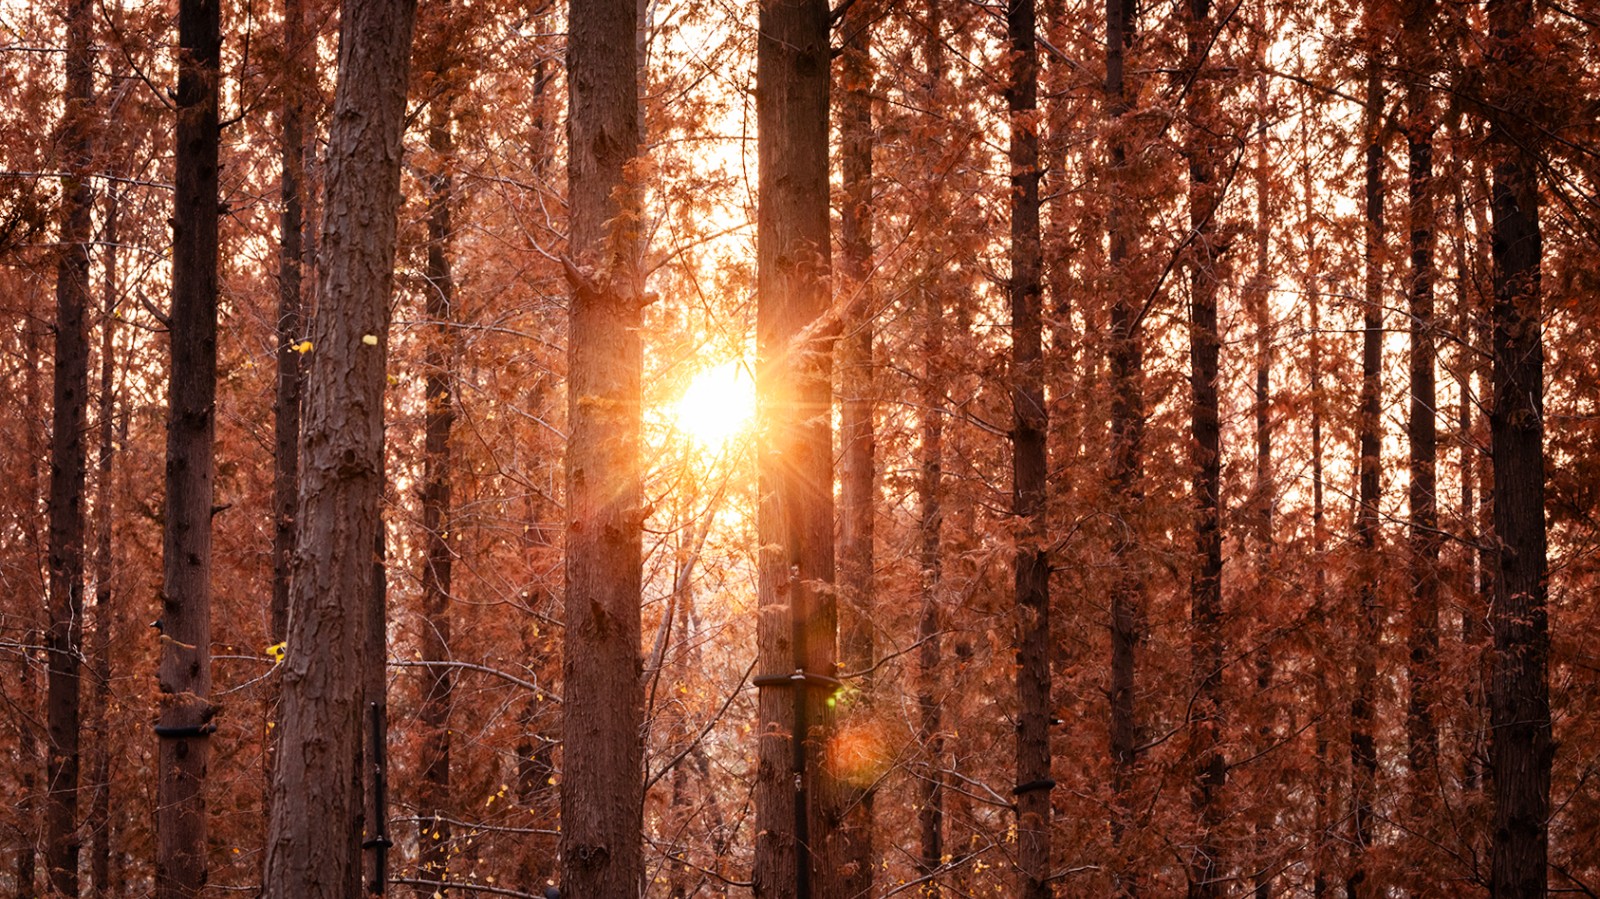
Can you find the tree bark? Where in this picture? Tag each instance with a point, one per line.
(794, 790)
(184, 726)
(1029, 472)
(68, 462)
(854, 864)
(1205, 586)
(602, 798)
(439, 390)
(1127, 437)
(1521, 748)
(1363, 737)
(312, 848)
(98, 821)
(1424, 538)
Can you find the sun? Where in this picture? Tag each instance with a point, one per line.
(719, 404)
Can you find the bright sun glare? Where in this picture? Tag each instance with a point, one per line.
(718, 404)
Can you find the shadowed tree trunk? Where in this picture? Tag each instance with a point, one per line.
(98, 821)
(1424, 538)
(1363, 738)
(795, 795)
(602, 796)
(184, 726)
(1520, 748)
(1028, 464)
(1127, 434)
(439, 389)
(858, 459)
(312, 847)
(1205, 586)
(68, 463)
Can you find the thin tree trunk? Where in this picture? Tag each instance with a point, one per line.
(312, 850)
(1029, 465)
(794, 792)
(98, 822)
(1520, 748)
(1363, 739)
(1127, 439)
(372, 831)
(1205, 587)
(184, 725)
(68, 463)
(930, 786)
(1422, 735)
(602, 796)
(857, 481)
(439, 389)
(1265, 499)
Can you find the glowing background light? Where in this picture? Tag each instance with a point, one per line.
(718, 404)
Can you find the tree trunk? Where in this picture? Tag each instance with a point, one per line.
(1363, 739)
(1028, 465)
(1521, 748)
(1205, 587)
(439, 390)
(98, 821)
(68, 463)
(1127, 437)
(311, 848)
(1424, 538)
(185, 726)
(854, 863)
(602, 798)
(930, 786)
(794, 791)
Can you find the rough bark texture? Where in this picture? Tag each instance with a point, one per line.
(1127, 433)
(1520, 748)
(312, 849)
(68, 463)
(1363, 737)
(184, 725)
(602, 798)
(1205, 587)
(439, 389)
(1028, 464)
(854, 862)
(798, 618)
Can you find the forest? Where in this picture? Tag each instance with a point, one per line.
(800, 448)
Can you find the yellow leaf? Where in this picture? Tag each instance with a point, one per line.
(278, 651)
(302, 347)
(369, 339)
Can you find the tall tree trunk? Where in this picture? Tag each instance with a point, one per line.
(1028, 464)
(794, 792)
(439, 390)
(1262, 513)
(68, 463)
(184, 725)
(930, 525)
(1127, 435)
(1205, 587)
(1422, 735)
(1521, 748)
(312, 849)
(602, 795)
(1363, 738)
(1321, 861)
(291, 252)
(98, 821)
(858, 458)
